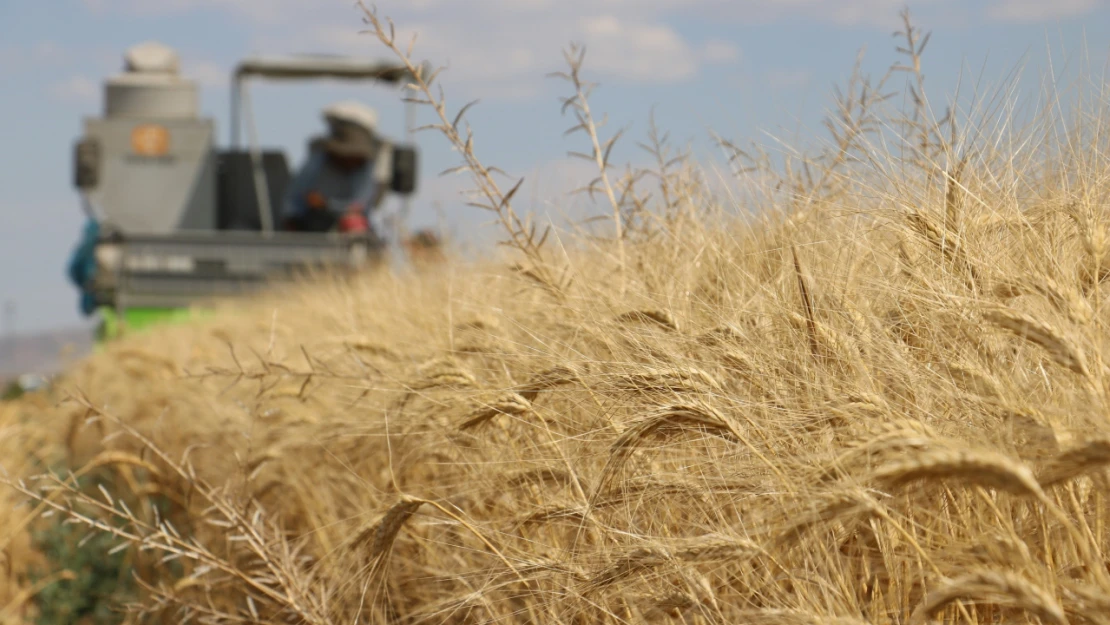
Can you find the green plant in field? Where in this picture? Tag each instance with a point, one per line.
(101, 579)
(101, 583)
(13, 390)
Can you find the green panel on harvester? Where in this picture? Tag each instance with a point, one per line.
(137, 319)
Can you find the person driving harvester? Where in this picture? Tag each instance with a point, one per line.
(345, 176)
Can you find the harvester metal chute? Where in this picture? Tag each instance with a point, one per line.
(174, 219)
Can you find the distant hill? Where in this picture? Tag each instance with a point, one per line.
(44, 352)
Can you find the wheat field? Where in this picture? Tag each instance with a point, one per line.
(864, 386)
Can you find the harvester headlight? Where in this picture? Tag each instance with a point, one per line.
(109, 257)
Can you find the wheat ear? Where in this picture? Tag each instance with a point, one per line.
(1000, 587)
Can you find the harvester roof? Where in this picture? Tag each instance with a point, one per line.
(322, 66)
(313, 66)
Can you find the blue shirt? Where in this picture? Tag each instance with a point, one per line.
(81, 268)
(339, 188)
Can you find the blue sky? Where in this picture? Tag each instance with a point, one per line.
(738, 67)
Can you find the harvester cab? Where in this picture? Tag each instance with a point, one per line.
(173, 219)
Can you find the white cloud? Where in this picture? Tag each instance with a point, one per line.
(264, 12)
(505, 65)
(878, 13)
(480, 14)
(637, 52)
(505, 48)
(1041, 10)
(719, 51)
(76, 89)
(513, 60)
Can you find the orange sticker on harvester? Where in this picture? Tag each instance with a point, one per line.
(150, 140)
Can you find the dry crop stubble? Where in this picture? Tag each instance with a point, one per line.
(812, 417)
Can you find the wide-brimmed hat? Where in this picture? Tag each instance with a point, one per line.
(351, 130)
(349, 140)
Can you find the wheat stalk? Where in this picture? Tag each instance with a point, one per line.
(1061, 350)
(688, 379)
(669, 420)
(1070, 464)
(661, 318)
(979, 467)
(550, 378)
(1002, 587)
(509, 403)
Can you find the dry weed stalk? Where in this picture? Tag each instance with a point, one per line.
(601, 150)
(665, 164)
(522, 234)
(273, 579)
(928, 138)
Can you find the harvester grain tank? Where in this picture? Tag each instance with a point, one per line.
(174, 219)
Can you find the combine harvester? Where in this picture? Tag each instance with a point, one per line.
(175, 220)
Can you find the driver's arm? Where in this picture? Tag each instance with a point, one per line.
(374, 180)
(381, 173)
(297, 197)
